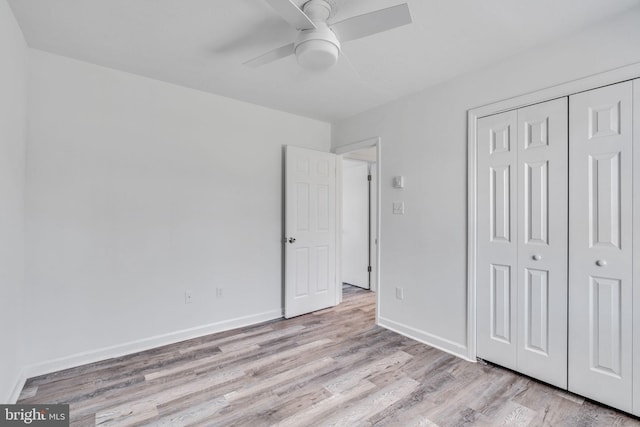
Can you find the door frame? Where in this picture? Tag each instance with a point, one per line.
(344, 149)
(628, 72)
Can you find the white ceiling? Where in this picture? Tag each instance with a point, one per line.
(202, 43)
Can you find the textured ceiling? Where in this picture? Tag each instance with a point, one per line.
(202, 43)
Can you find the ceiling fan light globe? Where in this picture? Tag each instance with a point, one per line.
(317, 54)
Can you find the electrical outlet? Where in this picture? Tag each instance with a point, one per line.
(218, 292)
(188, 297)
(400, 293)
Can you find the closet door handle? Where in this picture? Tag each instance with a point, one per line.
(537, 257)
(601, 263)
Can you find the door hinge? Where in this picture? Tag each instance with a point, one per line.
(369, 269)
(369, 177)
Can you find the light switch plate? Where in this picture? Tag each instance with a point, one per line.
(398, 181)
(398, 208)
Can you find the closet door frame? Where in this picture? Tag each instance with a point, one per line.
(617, 75)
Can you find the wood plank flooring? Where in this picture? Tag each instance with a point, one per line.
(333, 367)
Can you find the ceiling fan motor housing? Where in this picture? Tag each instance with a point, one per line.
(318, 48)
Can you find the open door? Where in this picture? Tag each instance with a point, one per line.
(310, 231)
(356, 264)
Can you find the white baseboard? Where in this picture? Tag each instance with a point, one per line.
(124, 349)
(440, 343)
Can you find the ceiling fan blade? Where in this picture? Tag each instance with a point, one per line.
(273, 55)
(292, 14)
(344, 58)
(373, 22)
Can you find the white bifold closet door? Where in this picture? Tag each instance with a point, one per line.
(497, 254)
(522, 240)
(600, 310)
(636, 253)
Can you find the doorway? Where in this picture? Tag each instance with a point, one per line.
(356, 222)
(358, 214)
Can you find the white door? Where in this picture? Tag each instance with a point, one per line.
(497, 248)
(542, 241)
(636, 253)
(373, 227)
(355, 223)
(600, 262)
(522, 240)
(310, 231)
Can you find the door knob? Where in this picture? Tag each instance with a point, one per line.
(292, 239)
(537, 257)
(601, 263)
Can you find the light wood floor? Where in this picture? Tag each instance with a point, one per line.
(333, 367)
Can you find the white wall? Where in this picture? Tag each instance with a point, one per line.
(139, 190)
(424, 138)
(13, 127)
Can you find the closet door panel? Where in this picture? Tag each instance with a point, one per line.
(497, 239)
(636, 245)
(600, 246)
(542, 241)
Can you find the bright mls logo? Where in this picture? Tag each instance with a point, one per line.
(34, 415)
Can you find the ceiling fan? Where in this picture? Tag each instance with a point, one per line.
(318, 45)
